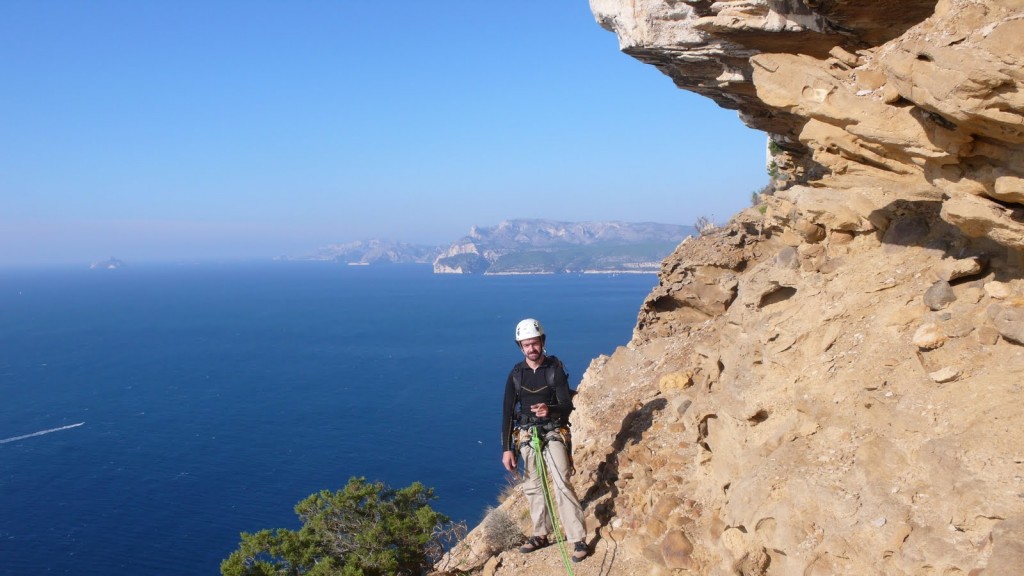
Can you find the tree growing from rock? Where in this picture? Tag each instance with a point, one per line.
(364, 529)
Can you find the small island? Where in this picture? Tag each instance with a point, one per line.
(108, 264)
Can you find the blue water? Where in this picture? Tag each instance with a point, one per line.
(216, 397)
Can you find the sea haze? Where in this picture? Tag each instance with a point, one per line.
(150, 414)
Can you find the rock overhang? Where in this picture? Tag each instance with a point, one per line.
(918, 99)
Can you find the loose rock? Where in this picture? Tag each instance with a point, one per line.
(788, 258)
(998, 290)
(1010, 324)
(988, 335)
(929, 336)
(947, 374)
(939, 295)
(953, 269)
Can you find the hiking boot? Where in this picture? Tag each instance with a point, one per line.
(534, 543)
(580, 551)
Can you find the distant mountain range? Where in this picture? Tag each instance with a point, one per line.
(550, 247)
(375, 252)
(528, 247)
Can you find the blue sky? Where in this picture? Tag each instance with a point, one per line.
(215, 130)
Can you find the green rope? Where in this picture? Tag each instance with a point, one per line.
(538, 457)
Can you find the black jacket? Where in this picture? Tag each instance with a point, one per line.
(534, 390)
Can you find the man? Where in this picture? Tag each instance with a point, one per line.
(537, 396)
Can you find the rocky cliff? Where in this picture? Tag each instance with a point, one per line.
(832, 383)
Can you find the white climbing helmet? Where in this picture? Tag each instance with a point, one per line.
(529, 328)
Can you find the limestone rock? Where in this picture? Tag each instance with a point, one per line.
(929, 103)
(959, 268)
(1007, 547)
(947, 374)
(822, 207)
(980, 218)
(840, 237)
(812, 257)
(988, 335)
(676, 549)
(929, 336)
(665, 506)
(788, 257)
(972, 294)
(809, 231)
(675, 381)
(998, 290)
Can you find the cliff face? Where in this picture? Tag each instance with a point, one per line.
(881, 100)
(831, 384)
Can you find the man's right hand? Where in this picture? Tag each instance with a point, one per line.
(508, 459)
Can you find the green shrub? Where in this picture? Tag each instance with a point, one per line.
(365, 529)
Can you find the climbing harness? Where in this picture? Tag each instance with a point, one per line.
(521, 436)
(538, 456)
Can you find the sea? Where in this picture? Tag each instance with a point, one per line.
(152, 413)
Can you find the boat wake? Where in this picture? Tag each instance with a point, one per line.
(40, 433)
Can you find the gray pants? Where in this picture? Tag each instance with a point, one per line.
(556, 462)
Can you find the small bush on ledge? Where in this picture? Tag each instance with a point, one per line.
(364, 529)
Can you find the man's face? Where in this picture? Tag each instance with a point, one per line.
(532, 348)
